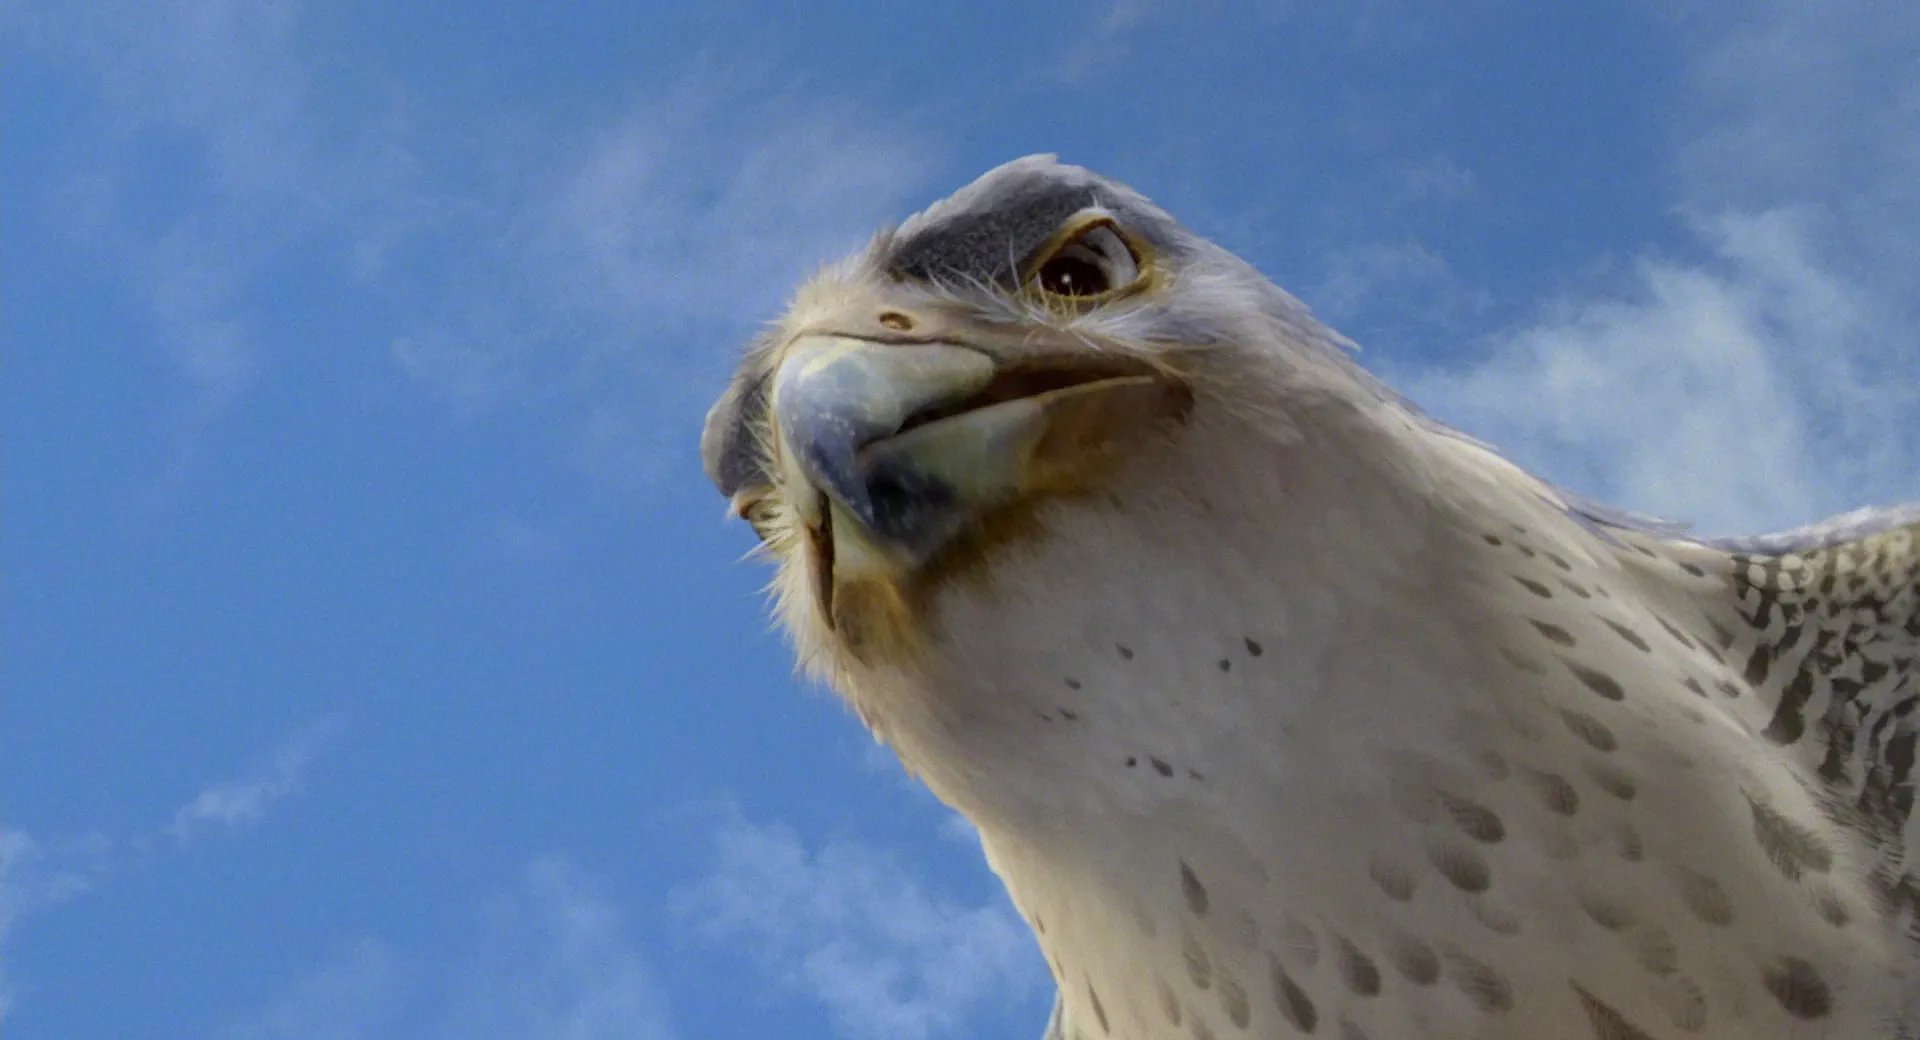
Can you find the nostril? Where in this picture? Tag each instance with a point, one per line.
(896, 321)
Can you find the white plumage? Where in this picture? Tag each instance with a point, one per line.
(1285, 711)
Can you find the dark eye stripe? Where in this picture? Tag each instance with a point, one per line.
(984, 246)
(728, 447)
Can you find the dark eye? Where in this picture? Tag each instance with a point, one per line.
(1094, 263)
(1073, 276)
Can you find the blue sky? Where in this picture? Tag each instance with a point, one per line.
(378, 663)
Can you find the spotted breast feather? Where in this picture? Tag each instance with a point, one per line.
(1824, 625)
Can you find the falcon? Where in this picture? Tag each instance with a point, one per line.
(1283, 710)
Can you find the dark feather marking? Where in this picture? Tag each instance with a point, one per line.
(1487, 988)
(1093, 997)
(1611, 780)
(1678, 636)
(1633, 638)
(1606, 913)
(1415, 960)
(1792, 847)
(1789, 718)
(1199, 964)
(1396, 883)
(1555, 793)
(1554, 633)
(728, 448)
(1608, 1024)
(1798, 988)
(1599, 682)
(1233, 1000)
(1462, 866)
(1169, 1002)
(1592, 731)
(1195, 892)
(1292, 1001)
(1474, 820)
(1704, 896)
(1357, 969)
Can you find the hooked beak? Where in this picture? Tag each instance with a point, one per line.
(913, 445)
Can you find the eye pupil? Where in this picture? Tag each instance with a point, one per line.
(1091, 265)
(1073, 276)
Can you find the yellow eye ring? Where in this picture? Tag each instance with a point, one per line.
(1088, 262)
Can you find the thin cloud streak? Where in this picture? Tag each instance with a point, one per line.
(1696, 394)
(846, 926)
(40, 874)
(597, 265)
(1766, 381)
(232, 804)
(276, 164)
(632, 259)
(551, 960)
(37, 875)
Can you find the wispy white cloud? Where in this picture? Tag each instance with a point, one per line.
(556, 960)
(847, 925)
(38, 874)
(231, 85)
(230, 70)
(1728, 392)
(357, 995)
(518, 539)
(596, 264)
(1362, 276)
(551, 960)
(1814, 106)
(627, 259)
(706, 202)
(216, 154)
(231, 804)
(1766, 380)
(1369, 271)
(1107, 41)
(1433, 177)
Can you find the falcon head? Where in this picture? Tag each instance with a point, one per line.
(1043, 361)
